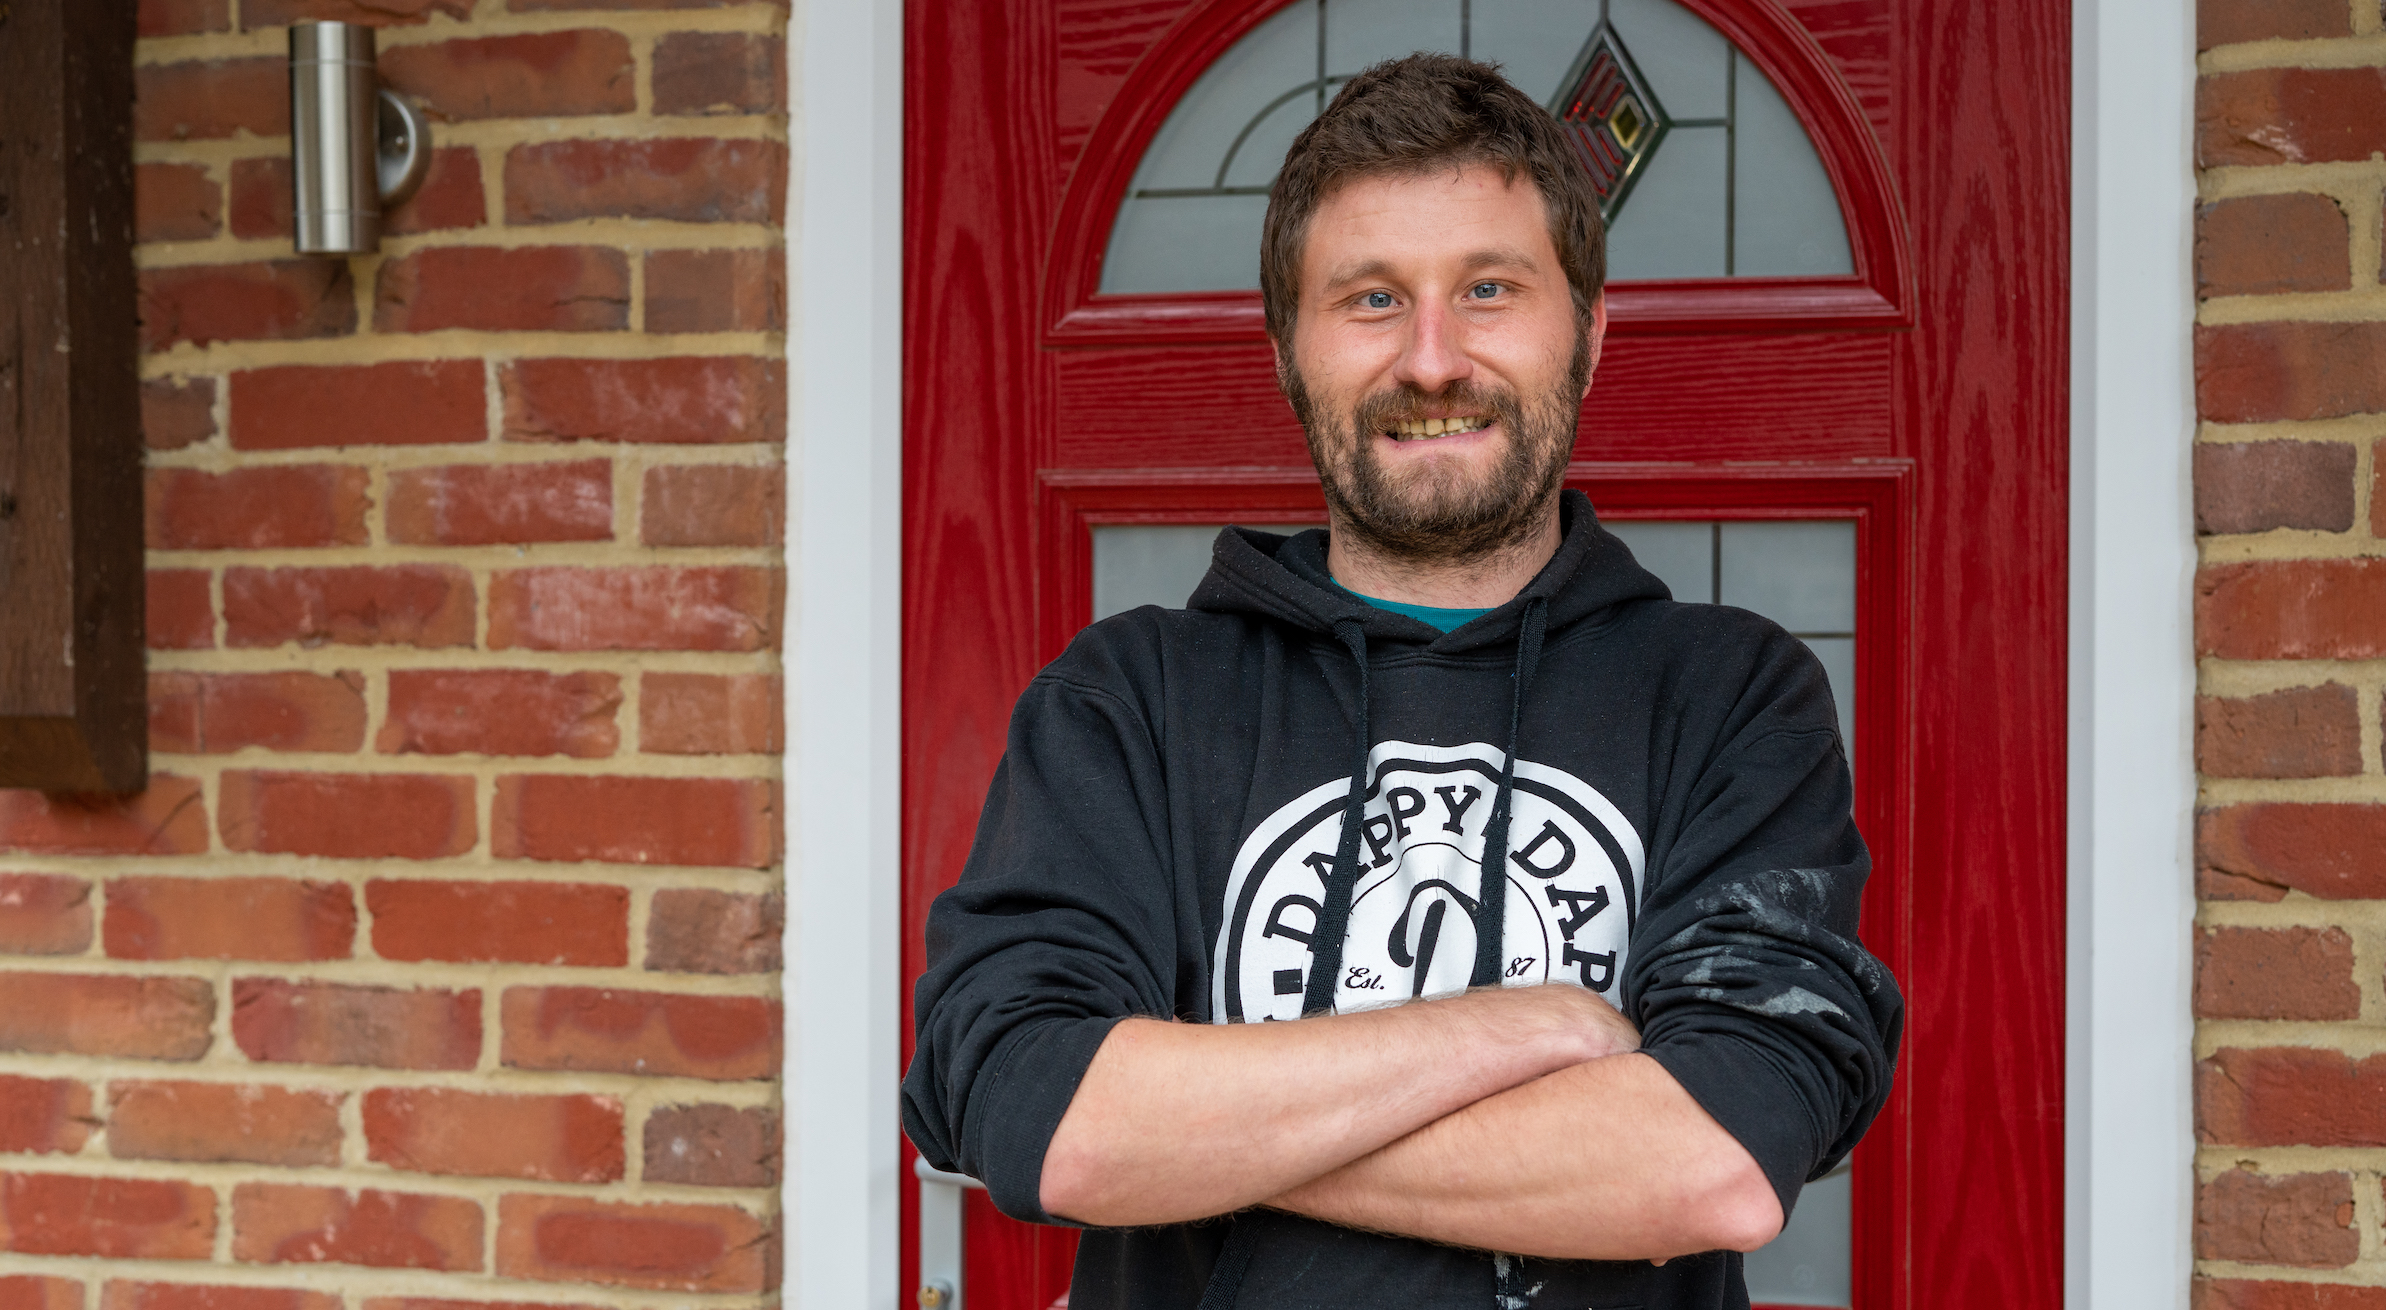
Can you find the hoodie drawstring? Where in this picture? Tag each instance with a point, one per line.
(1491, 916)
(1333, 915)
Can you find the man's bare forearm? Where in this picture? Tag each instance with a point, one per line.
(1606, 1160)
(1182, 1121)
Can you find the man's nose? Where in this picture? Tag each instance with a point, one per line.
(1436, 351)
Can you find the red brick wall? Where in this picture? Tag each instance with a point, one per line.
(2290, 982)
(439, 963)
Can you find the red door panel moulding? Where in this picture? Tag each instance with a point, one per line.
(1877, 495)
(1879, 294)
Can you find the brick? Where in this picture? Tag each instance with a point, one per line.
(119, 1218)
(168, 819)
(106, 1014)
(501, 712)
(716, 290)
(283, 1022)
(211, 99)
(450, 197)
(175, 202)
(179, 613)
(252, 918)
(713, 1146)
(710, 714)
(34, 1291)
(2333, 852)
(714, 505)
(2292, 609)
(284, 505)
(192, 1296)
(2304, 732)
(218, 713)
(503, 504)
(42, 1116)
(2264, 245)
(435, 1130)
(719, 73)
(433, 1303)
(517, 289)
(177, 412)
(700, 930)
(577, 924)
(681, 401)
(2255, 486)
(538, 75)
(2246, 1294)
(44, 914)
(2304, 1220)
(681, 179)
(212, 1122)
(2287, 973)
(2261, 372)
(426, 605)
(2290, 1096)
(2227, 22)
(402, 403)
(654, 1034)
(112, 1014)
(2290, 116)
(711, 608)
(723, 822)
(541, 6)
(278, 1223)
(693, 1248)
(255, 14)
(179, 18)
(413, 816)
(272, 300)
(2377, 486)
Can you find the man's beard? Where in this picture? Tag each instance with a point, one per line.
(1438, 514)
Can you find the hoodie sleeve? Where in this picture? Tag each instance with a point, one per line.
(1058, 929)
(1747, 981)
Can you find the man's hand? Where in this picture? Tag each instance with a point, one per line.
(1183, 1121)
(1608, 1160)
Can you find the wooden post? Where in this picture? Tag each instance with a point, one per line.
(72, 700)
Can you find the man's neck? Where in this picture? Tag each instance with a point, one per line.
(1483, 582)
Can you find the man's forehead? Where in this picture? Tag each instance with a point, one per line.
(1476, 216)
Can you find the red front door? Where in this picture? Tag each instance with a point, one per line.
(1914, 388)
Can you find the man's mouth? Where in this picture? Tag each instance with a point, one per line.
(1425, 429)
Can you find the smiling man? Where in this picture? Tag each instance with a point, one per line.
(1434, 914)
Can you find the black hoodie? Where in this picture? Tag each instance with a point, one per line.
(1166, 835)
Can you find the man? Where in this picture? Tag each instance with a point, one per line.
(1240, 974)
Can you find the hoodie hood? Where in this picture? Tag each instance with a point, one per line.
(1285, 579)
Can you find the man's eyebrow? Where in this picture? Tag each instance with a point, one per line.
(1490, 257)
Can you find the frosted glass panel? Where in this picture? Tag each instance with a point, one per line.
(1155, 564)
(1808, 1264)
(1800, 575)
(1682, 555)
(1729, 186)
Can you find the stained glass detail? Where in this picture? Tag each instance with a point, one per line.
(1737, 189)
(1614, 120)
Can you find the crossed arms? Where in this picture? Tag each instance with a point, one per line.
(1517, 1119)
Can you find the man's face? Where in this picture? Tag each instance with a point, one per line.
(1436, 361)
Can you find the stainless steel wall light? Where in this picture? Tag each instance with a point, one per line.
(356, 148)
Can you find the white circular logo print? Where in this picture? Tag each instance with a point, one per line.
(1574, 869)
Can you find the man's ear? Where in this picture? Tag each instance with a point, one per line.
(1597, 340)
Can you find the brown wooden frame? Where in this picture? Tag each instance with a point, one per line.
(72, 699)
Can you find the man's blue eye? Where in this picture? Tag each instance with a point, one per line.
(1379, 300)
(1486, 290)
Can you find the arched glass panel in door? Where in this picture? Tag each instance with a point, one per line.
(1705, 170)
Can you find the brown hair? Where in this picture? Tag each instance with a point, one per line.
(1410, 115)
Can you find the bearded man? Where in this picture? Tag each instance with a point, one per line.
(1435, 913)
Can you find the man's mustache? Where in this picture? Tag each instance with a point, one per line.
(1408, 403)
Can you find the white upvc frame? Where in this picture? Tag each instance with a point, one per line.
(840, 1199)
(2129, 1149)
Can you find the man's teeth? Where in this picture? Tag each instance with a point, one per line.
(1417, 429)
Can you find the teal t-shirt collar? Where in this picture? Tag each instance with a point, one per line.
(1433, 616)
